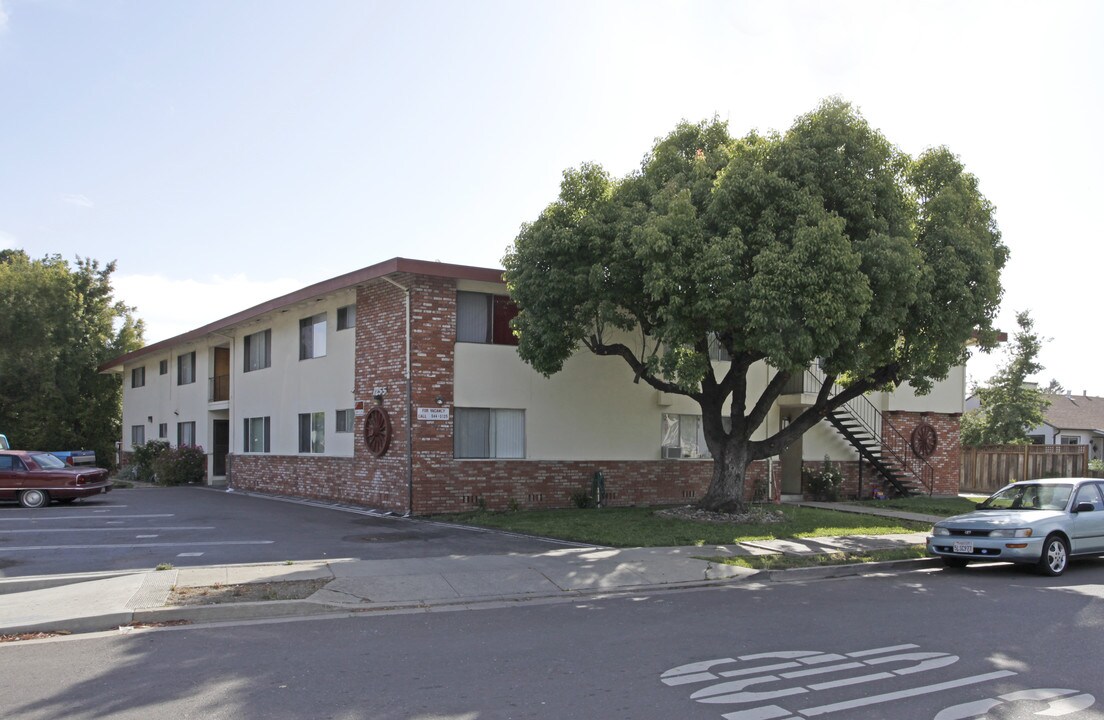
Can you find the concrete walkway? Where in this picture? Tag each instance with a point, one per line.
(103, 601)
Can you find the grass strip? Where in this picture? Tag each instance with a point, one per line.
(788, 562)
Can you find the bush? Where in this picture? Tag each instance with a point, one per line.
(144, 457)
(825, 483)
(582, 499)
(181, 465)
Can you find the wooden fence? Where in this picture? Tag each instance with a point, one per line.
(987, 469)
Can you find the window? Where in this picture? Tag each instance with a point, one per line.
(1089, 493)
(163, 431)
(484, 318)
(185, 434)
(346, 317)
(312, 432)
(258, 435)
(137, 435)
(138, 377)
(486, 433)
(312, 337)
(683, 436)
(185, 368)
(163, 367)
(345, 421)
(11, 462)
(258, 351)
(1070, 440)
(717, 350)
(1037, 439)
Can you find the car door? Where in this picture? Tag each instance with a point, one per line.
(1087, 528)
(12, 475)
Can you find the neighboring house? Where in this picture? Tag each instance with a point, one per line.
(306, 395)
(1070, 420)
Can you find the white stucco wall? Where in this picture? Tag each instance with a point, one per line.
(163, 400)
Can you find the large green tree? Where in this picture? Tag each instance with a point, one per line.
(1010, 406)
(58, 324)
(823, 243)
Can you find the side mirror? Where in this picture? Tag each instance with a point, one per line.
(1084, 507)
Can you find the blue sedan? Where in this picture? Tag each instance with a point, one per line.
(1039, 522)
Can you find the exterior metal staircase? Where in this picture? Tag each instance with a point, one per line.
(877, 440)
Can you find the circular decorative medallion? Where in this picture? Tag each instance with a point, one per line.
(924, 440)
(377, 431)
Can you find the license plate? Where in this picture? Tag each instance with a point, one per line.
(963, 546)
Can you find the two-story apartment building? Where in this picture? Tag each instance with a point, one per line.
(398, 386)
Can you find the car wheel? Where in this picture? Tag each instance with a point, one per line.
(954, 562)
(34, 498)
(1055, 556)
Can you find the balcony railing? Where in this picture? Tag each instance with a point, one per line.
(218, 388)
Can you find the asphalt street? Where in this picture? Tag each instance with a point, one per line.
(986, 642)
(140, 528)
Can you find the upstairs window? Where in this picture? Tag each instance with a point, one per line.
(346, 317)
(258, 351)
(163, 367)
(138, 377)
(185, 368)
(484, 318)
(312, 337)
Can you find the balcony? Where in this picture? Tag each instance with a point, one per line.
(218, 388)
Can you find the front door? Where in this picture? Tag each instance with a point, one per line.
(220, 445)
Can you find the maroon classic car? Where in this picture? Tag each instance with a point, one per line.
(36, 478)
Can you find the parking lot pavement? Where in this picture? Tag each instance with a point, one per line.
(140, 528)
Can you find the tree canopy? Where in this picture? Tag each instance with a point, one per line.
(58, 324)
(1010, 406)
(825, 244)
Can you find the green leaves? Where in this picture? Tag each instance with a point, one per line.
(823, 243)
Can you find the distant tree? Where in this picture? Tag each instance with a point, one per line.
(58, 324)
(823, 244)
(1010, 406)
(1054, 388)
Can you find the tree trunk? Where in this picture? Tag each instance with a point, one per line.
(727, 489)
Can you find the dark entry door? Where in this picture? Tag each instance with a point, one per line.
(220, 445)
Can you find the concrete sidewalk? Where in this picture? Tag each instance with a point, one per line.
(103, 601)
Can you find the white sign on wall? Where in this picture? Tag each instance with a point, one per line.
(433, 414)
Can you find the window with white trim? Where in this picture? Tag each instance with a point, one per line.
(312, 432)
(138, 377)
(344, 421)
(489, 433)
(312, 337)
(257, 351)
(257, 435)
(1070, 440)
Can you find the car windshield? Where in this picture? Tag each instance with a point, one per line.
(1029, 497)
(46, 461)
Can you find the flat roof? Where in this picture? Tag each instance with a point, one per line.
(311, 292)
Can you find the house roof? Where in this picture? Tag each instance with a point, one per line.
(312, 292)
(1076, 412)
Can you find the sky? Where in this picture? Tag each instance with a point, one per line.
(224, 152)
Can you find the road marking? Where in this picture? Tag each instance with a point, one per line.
(144, 537)
(902, 694)
(79, 517)
(104, 529)
(189, 554)
(1060, 706)
(139, 545)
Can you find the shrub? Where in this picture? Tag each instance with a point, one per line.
(582, 499)
(181, 465)
(825, 483)
(1096, 465)
(143, 458)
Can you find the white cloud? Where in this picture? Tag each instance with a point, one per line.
(78, 200)
(170, 307)
(3, 17)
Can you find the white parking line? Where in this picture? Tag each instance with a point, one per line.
(105, 529)
(199, 554)
(139, 545)
(39, 518)
(144, 537)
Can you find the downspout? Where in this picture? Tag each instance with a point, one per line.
(409, 406)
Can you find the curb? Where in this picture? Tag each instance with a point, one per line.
(824, 572)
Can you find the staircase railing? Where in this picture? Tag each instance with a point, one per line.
(887, 438)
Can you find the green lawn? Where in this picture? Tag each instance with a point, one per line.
(639, 527)
(944, 507)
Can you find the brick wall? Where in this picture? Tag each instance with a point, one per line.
(946, 461)
(307, 476)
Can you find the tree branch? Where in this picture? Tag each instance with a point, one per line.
(638, 367)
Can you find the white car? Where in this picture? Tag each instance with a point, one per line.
(1040, 522)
